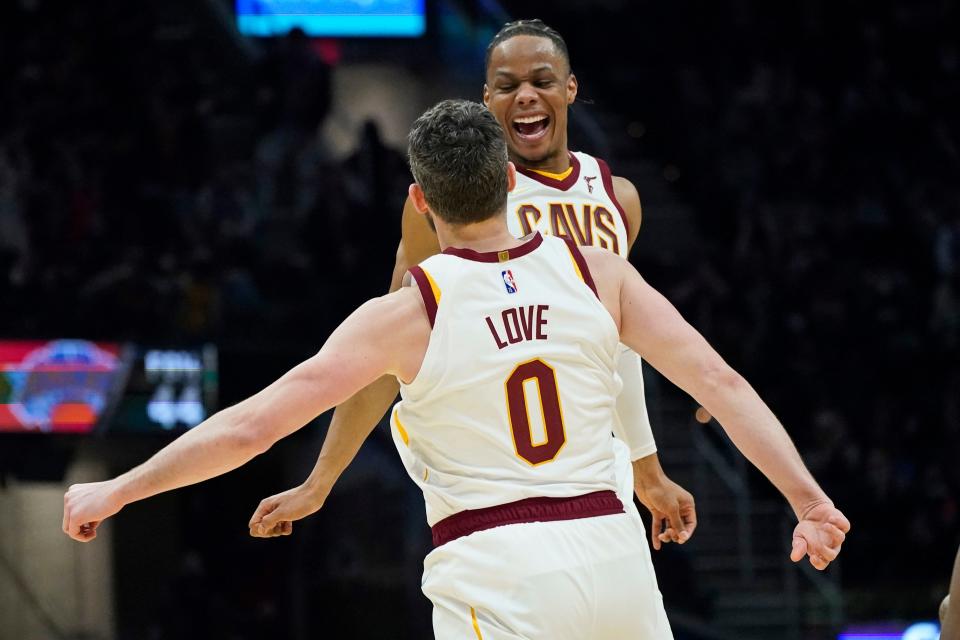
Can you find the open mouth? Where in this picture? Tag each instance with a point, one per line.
(530, 128)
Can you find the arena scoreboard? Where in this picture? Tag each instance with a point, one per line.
(80, 386)
(332, 18)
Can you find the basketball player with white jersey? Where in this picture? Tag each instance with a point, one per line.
(506, 352)
(529, 87)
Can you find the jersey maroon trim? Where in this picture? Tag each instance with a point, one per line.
(607, 179)
(426, 292)
(582, 263)
(497, 256)
(598, 503)
(564, 184)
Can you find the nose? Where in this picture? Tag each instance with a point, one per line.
(526, 94)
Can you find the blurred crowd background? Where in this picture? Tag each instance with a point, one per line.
(160, 181)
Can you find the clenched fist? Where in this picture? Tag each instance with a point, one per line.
(85, 506)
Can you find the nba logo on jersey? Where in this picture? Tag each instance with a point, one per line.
(508, 281)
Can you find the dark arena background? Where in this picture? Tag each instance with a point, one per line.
(193, 193)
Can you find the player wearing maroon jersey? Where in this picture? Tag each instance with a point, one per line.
(529, 87)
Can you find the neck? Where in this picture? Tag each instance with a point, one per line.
(554, 163)
(489, 235)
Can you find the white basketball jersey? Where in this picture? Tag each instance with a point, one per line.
(579, 205)
(515, 397)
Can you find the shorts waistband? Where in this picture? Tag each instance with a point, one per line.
(598, 503)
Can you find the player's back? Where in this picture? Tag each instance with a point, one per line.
(516, 393)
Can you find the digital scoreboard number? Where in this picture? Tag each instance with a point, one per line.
(167, 390)
(178, 382)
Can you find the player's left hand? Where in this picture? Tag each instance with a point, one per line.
(275, 515)
(672, 508)
(85, 506)
(819, 534)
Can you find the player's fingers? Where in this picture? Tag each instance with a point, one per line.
(274, 517)
(669, 535)
(690, 518)
(818, 562)
(73, 528)
(799, 549)
(66, 512)
(836, 535)
(678, 533)
(88, 532)
(656, 526)
(840, 521)
(81, 532)
(266, 506)
(829, 553)
(286, 527)
(823, 547)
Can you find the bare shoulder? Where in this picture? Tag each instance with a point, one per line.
(598, 258)
(390, 316)
(603, 264)
(626, 192)
(607, 270)
(395, 325)
(403, 305)
(629, 198)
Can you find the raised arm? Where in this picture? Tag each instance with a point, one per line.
(352, 420)
(381, 337)
(650, 325)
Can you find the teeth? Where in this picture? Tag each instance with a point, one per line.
(530, 119)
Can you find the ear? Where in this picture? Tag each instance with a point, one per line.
(486, 95)
(511, 176)
(571, 89)
(417, 198)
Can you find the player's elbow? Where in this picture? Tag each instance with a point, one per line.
(717, 378)
(251, 434)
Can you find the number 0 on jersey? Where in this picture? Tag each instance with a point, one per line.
(518, 410)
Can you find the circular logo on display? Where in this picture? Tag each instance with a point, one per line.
(63, 386)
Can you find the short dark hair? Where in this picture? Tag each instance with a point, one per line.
(458, 156)
(535, 27)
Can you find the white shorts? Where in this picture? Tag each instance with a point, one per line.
(564, 580)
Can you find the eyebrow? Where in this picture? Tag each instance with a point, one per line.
(538, 69)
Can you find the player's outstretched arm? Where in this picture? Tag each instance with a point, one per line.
(380, 337)
(352, 420)
(650, 325)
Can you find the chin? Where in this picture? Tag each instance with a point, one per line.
(533, 156)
